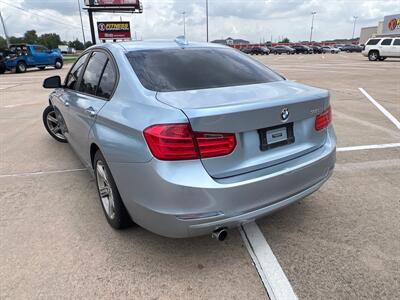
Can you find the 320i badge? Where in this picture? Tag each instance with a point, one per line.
(186, 139)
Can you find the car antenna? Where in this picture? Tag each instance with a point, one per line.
(181, 40)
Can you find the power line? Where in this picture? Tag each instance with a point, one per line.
(41, 15)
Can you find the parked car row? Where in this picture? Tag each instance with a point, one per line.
(301, 49)
(256, 50)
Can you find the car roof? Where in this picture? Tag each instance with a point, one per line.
(157, 44)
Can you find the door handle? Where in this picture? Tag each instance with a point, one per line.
(90, 111)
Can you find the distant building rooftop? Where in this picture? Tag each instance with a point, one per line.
(230, 41)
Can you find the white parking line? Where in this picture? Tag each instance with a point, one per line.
(21, 104)
(381, 108)
(368, 147)
(268, 267)
(41, 173)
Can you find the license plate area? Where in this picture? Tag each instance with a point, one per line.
(276, 136)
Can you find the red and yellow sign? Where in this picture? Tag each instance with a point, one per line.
(114, 30)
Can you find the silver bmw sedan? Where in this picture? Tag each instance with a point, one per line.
(186, 139)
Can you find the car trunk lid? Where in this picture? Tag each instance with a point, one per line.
(254, 114)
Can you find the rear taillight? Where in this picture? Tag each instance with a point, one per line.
(323, 120)
(179, 142)
(215, 144)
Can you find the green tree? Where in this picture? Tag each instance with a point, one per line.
(3, 42)
(50, 40)
(78, 45)
(285, 40)
(16, 40)
(88, 44)
(30, 37)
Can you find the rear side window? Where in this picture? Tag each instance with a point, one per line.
(197, 68)
(396, 42)
(373, 42)
(91, 76)
(107, 82)
(386, 42)
(75, 72)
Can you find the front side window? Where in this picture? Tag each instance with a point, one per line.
(386, 42)
(73, 75)
(396, 42)
(91, 76)
(169, 70)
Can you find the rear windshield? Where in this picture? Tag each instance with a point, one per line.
(169, 70)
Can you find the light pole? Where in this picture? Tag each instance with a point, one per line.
(207, 18)
(313, 13)
(80, 15)
(5, 30)
(354, 26)
(184, 24)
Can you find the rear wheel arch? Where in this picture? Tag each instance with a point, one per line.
(93, 149)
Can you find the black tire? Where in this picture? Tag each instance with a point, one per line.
(373, 55)
(120, 218)
(58, 64)
(2, 68)
(41, 68)
(21, 67)
(288, 53)
(276, 52)
(49, 125)
(333, 52)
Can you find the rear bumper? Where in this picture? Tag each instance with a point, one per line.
(180, 199)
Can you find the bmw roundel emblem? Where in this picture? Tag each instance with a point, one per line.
(284, 114)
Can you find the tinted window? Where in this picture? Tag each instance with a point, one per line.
(386, 42)
(91, 76)
(373, 42)
(40, 49)
(75, 72)
(194, 68)
(396, 42)
(107, 82)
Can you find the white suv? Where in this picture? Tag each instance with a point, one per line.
(381, 48)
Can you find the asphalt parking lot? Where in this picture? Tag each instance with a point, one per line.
(343, 242)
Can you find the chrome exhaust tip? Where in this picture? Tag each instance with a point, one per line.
(220, 234)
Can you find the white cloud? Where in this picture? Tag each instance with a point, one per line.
(252, 20)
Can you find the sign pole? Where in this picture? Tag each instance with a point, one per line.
(92, 26)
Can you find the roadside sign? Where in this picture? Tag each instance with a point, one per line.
(391, 24)
(114, 30)
(112, 2)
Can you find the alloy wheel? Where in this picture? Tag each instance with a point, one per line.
(105, 190)
(54, 125)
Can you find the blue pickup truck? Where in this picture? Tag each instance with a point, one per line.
(22, 57)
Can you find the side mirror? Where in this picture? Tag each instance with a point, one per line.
(52, 82)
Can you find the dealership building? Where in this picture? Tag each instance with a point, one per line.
(390, 26)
